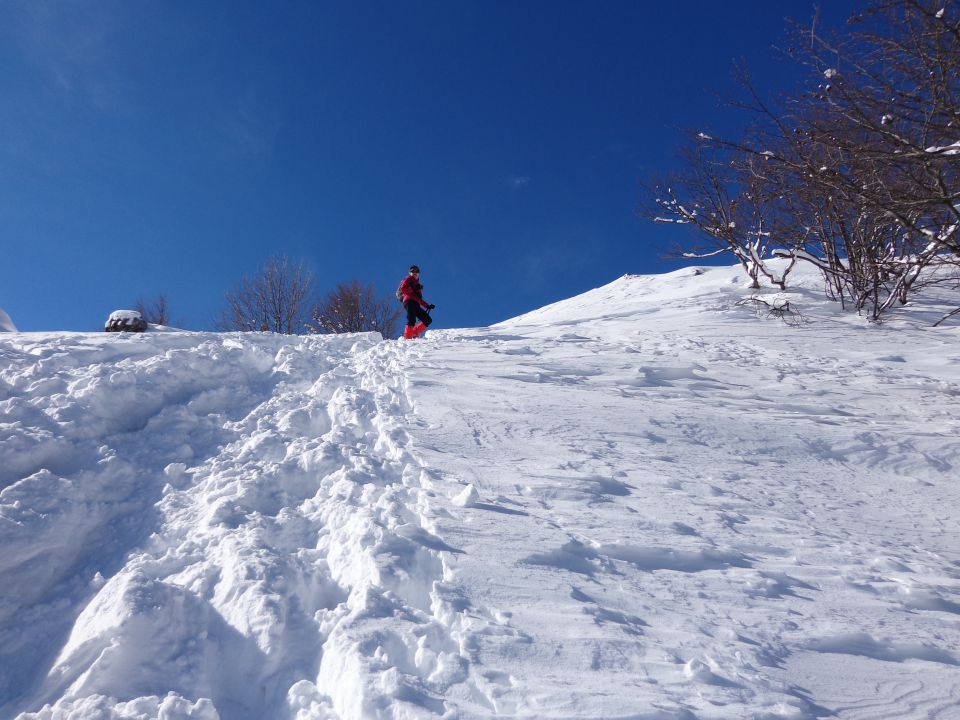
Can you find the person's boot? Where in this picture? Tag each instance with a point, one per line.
(408, 332)
(418, 330)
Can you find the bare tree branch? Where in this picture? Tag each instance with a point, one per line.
(155, 312)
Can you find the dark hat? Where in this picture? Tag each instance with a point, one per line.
(414, 268)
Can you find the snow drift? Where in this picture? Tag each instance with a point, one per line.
(648, 501)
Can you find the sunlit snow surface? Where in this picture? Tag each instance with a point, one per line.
(646, 502)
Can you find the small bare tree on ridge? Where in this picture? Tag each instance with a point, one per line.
(355, 307)
(277, 299)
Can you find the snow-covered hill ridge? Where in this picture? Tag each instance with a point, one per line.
(643, 502)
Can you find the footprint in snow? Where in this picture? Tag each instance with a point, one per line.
(631, 624)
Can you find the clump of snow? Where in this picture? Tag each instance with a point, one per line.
(6, 324)
(118, 315)
(952, 149)
(467, 498)
(689, 511)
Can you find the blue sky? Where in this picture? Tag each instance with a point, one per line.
(170, 147)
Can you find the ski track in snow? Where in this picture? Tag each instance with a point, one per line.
(640, 503)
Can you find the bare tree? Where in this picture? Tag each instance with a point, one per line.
(859, 175)
(887, 112)
(354, 307)
(277, 299)
(155, 312)
(719, 198)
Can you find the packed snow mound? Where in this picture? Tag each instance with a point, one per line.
(6, 324)
(649, 501)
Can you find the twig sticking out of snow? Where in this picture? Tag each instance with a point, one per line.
(776, 306)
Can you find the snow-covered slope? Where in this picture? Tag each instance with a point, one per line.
(644, 502)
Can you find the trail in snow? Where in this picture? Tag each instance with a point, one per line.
(640, 503)
(284, 550)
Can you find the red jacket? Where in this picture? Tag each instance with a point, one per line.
(411, 289)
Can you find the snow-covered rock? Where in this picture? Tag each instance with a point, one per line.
(6, 324)
(125, 321)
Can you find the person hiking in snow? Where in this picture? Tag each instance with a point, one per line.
(411, 295)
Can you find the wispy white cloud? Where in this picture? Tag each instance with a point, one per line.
(253, 125)
(95, 57)
(518, 182)
(542, 261)
(73, 47)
